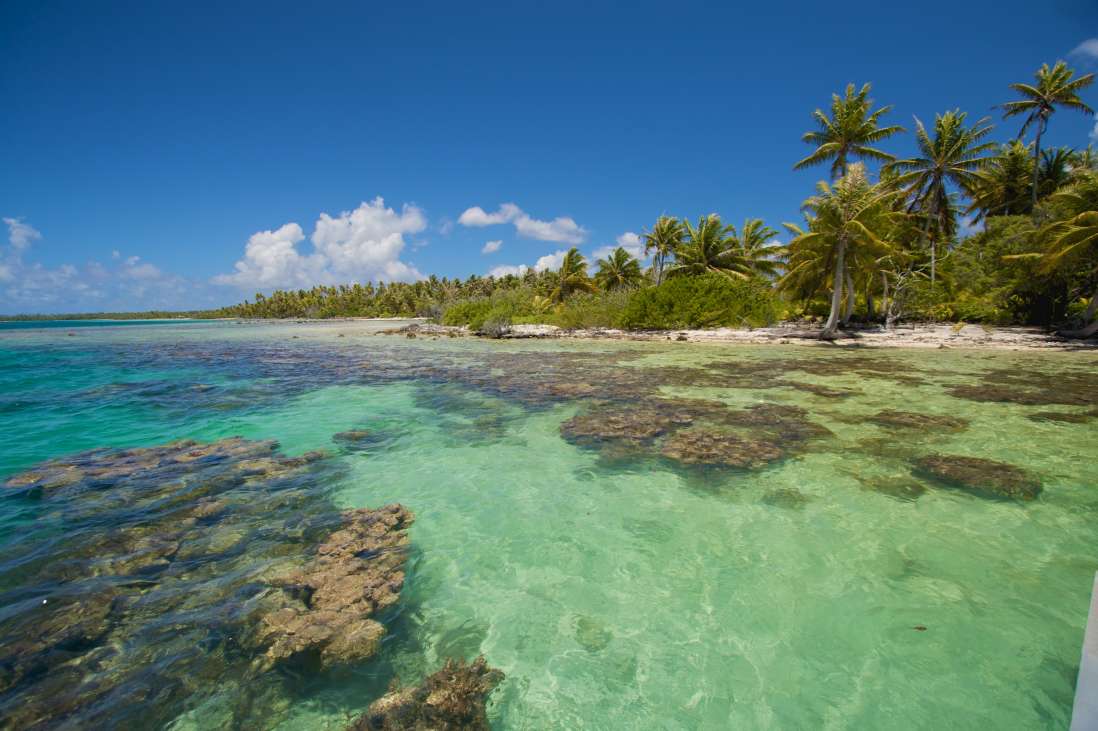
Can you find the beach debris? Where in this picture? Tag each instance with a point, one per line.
(454, 698)
(982, 477)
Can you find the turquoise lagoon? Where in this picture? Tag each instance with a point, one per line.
(833, 588)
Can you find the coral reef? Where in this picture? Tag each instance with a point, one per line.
(980, 476)
(911, 420)
(704, 446)
(452, 699)
(163, 578)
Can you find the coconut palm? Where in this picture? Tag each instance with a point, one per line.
(1071, 240)
(850, 131)
(1057, 165)
(620, 270)
(846, 220)
(709, 247)
(1055, 87)
(953, 155)
(1002, 186)
(757, 247)
(572, 275)
(662, 241)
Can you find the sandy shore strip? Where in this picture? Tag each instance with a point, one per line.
(905, 336)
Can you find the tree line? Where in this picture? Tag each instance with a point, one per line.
(897, 242)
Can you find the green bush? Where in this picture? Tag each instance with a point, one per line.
(599, 309)
(709, 300)
(467, 312)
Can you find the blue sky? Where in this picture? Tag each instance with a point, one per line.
(188, 154)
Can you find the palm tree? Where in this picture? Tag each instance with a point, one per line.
(664, 238)
(572, 275)
(709, 247)
(757, 247)
(845, 218)
(849, 132)
(620, 270)
(1057, 165)
(1002, 187)
(954, 155)
(1072, 240)
(1055, 87)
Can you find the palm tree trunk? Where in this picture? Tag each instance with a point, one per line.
(884, 294)
(851, 300)
(1037, 161)
(870, 315)
(836, 291)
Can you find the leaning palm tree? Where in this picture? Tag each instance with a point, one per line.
(619, 270)
(850, 131)
(757, 247)
(1055, 87)
(662, 241)
(846, 220)
(954, 155)
(572, 276)
(709, 247)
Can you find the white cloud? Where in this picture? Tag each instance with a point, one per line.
(491, 247)
(505, 269)
(1094, 132)
(130, 283)
(1087, 49)
(561, 229)
(550, 261)
(359, 245)
(134, 268)
(21, 234)
(629, 241)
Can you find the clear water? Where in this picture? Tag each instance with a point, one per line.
(630, 594)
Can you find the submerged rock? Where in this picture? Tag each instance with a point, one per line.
(787, 497)
(329, 607)
(911, 420)
(453, 699)
(703, 446)
(980, 476)
(162, 579)
(1064, 417)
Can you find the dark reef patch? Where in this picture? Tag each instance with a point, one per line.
(983, 477)
(157, 580)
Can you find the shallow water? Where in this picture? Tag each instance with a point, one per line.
(623, 589)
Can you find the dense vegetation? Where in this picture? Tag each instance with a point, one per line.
(897, 242)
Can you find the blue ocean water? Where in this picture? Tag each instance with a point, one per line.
(836, 586)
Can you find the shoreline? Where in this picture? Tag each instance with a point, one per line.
(906, 336)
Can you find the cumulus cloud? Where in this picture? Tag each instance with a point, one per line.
(629, 241)
(561, 229)
(20, 235)
(1094, 132)
(359, 245)
(549, 261)
(1087, 49)
(491, 247)
(505, 269)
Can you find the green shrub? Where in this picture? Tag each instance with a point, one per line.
(709, 300)
(467, 312)
(598, 309)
